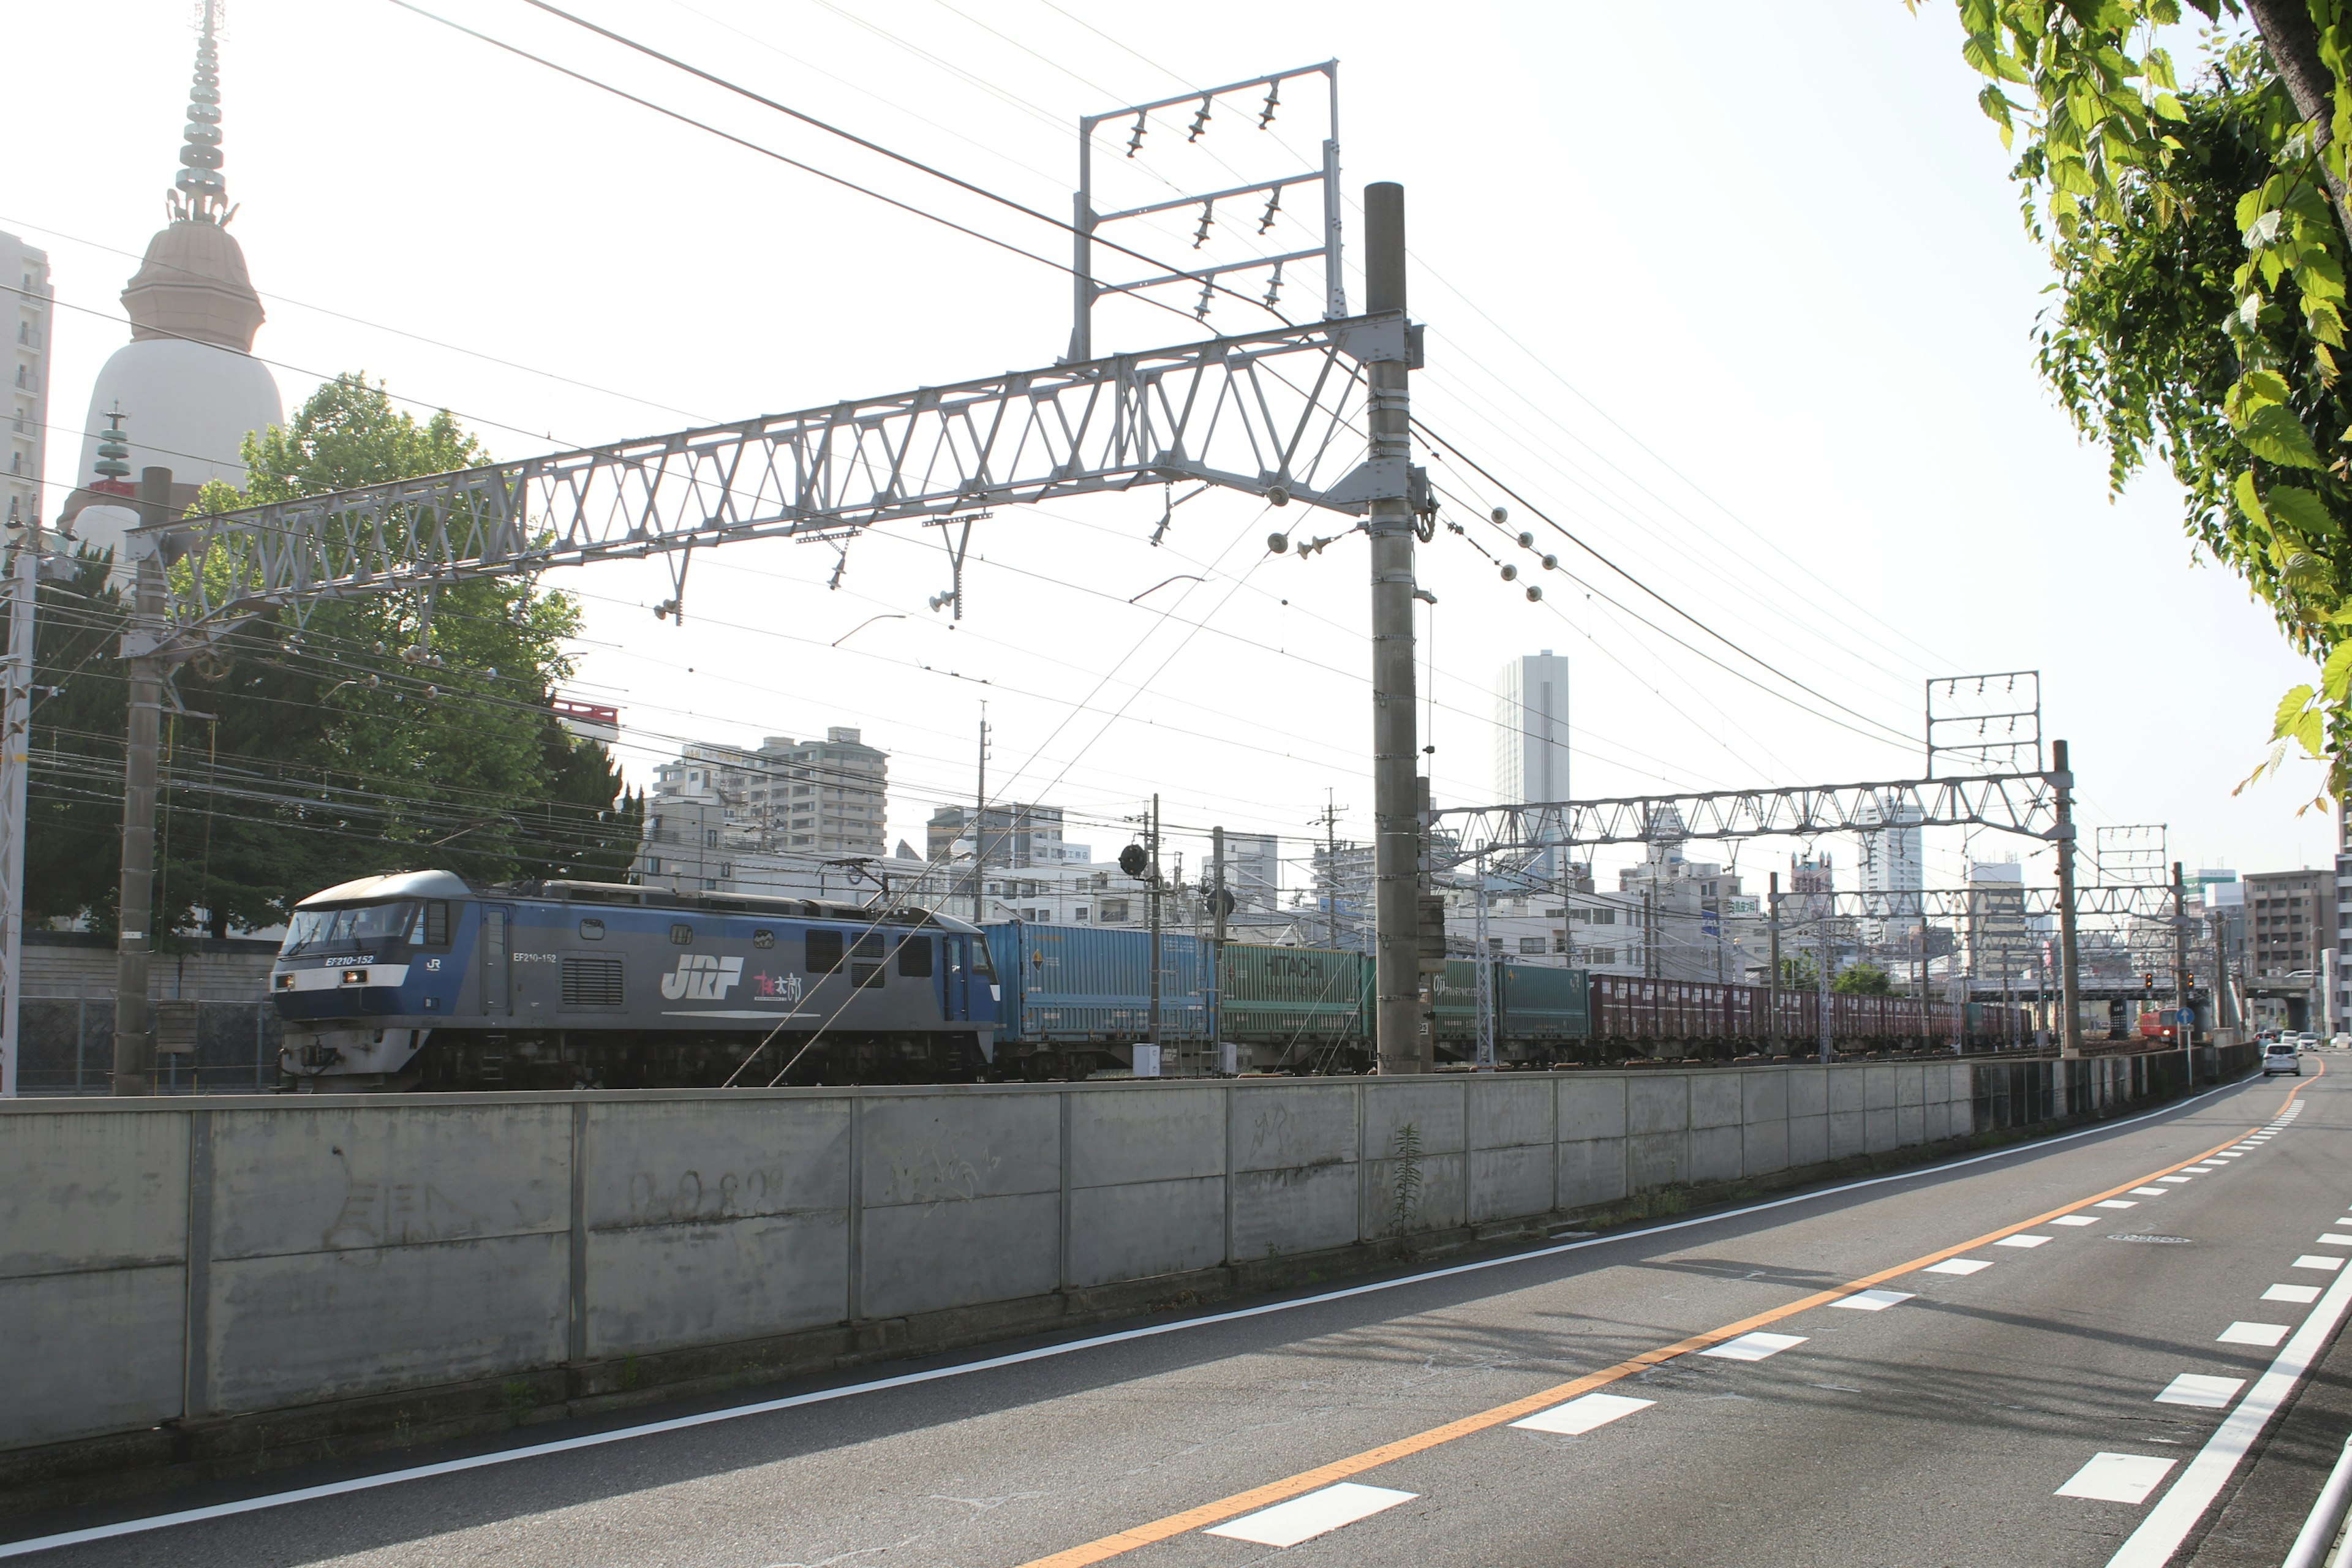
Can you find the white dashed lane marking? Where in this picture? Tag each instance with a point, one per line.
(2203, 1392)
(2076, 1219)
(2313, 1261)
(2151, 1191)
(1316, 1513)
(1872, 1301)
(2335, 1239)
(2116, 1477)
(2176, 1179)
(2024, 1240)
(2267, 1335)
(1754, 1347)
(2306, 1294)
(1958, 1265)
(1580, 1415)
(2114, 1203)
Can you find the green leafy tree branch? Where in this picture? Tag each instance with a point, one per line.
(2199, 238)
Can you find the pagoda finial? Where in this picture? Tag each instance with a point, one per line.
(198, 191)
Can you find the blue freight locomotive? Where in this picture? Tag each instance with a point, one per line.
(419, 981)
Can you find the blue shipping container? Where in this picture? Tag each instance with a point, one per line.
(1081, 983)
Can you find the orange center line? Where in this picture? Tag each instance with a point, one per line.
(1208, 1513)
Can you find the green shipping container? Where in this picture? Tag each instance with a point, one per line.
(1531, 1002)
(1540, 1004)
(1294, 996)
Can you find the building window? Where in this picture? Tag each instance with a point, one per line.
(653, 865)
(1114, 909)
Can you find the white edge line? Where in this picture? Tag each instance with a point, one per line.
(31, 1544)
(2168, 1524)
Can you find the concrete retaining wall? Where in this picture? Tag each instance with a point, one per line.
(186, 1260)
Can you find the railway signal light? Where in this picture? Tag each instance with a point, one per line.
(1133, 860)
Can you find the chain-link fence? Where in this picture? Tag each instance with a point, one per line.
(203, 1047)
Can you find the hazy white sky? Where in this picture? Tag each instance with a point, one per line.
(1736, 293)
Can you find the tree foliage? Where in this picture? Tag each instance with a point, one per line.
(388, 733)
(2199, 238)
(1862, 979)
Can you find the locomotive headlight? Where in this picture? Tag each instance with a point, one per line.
(355, 976)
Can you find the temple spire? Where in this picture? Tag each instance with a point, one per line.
(198, 191)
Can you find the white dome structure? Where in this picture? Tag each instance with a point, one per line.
(187, 387)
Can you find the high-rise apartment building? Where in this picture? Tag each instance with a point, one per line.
(2290, 921)
(2002, 943)
(722, 816)
(1531, 730)
(28, 376)
(1892, 866)
(1254, 870)
(1014, 834)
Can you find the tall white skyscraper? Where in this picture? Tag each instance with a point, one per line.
(1892, 863)
(1531, 730)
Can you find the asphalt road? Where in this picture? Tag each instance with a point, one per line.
(2009, 1392)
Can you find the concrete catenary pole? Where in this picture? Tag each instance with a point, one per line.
(2181, 1016)
(1396, 831)
(2070, 981)
(1152, 893)
(134, 1041)
(21, 589)
(1485, 975)
(1821, 979)
(979, 826)
(1215, 977)
(1773, 1019)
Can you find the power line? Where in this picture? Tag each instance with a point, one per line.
(1453, 450)
(875, 147)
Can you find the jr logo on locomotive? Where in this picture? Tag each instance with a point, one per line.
(701, 977)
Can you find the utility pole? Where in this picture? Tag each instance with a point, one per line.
(1217, 945)
(1919, 971)
(1153, 894)
(2182, 1019)
(1486, 981)
(21, 589)
(1772, 1022)
(2069, 984)
(134, 1041)
(1330, 871)
(979, 817)
(1822, 981)
(1396, 752)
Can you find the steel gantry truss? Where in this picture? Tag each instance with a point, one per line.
(2035, 804)
(1314, 413)
(2024, 804)
(1281, 414)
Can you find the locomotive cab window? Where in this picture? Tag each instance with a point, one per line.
(824, 951)
(591, 930)
(914, 957)
(681, 934)
(432, 927)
